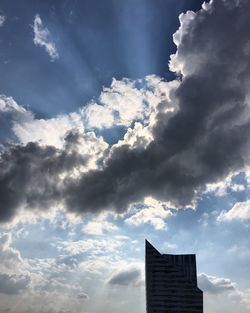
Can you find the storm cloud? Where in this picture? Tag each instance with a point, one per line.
(204, 140)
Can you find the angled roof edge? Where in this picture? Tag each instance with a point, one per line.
(149, 246)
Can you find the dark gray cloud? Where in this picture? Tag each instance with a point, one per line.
(207, 138)
(13, 284)
(215, 285)
(126, 277)
(202, 142)
(29, 175)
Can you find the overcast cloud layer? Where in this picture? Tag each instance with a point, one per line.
(200, 132)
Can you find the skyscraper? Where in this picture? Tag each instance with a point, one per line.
(171, 283)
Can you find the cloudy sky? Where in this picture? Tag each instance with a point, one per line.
(120, 121)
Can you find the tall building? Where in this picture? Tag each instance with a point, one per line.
(171, 283)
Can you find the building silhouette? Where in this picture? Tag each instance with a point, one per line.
(171, 283)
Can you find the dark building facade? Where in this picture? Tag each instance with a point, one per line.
(171, 283)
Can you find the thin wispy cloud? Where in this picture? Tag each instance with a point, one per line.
(43, 38)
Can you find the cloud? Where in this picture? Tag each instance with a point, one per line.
(129, 276)
(31, 174)
(99, 226)
(13, 274)
(154, 212)
(56, 276)
(222, 293)
(222, 188)
(59, 137)
(197, 128)
(240, 211)
(98, 265)
(19, 125)
(11, 260)
(47, 132)
(13, 284)
(135, 103)
(42, 38)
(2, 19)
(10, 113)
(215, 285)
(68, 262)
(125, 101)
(96, 247)
(213, 107)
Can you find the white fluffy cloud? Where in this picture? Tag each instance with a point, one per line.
(225, 186)
(121, 104)
(10, 113)
(13, 274)
(27, 127)
(215, 285)
(126, 101)
(11, 260)
(99, 226)
(240, 211)
(154, 212)
(47, 132)
(42, 38)
(7, 104)
(185, 62)
(223, 294)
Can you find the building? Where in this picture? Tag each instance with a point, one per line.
(171, 283)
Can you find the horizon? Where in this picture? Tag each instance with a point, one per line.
(121, 121)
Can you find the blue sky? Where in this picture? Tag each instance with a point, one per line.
(96, 41)
(120, 121)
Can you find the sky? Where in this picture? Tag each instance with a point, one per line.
(122, 121)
